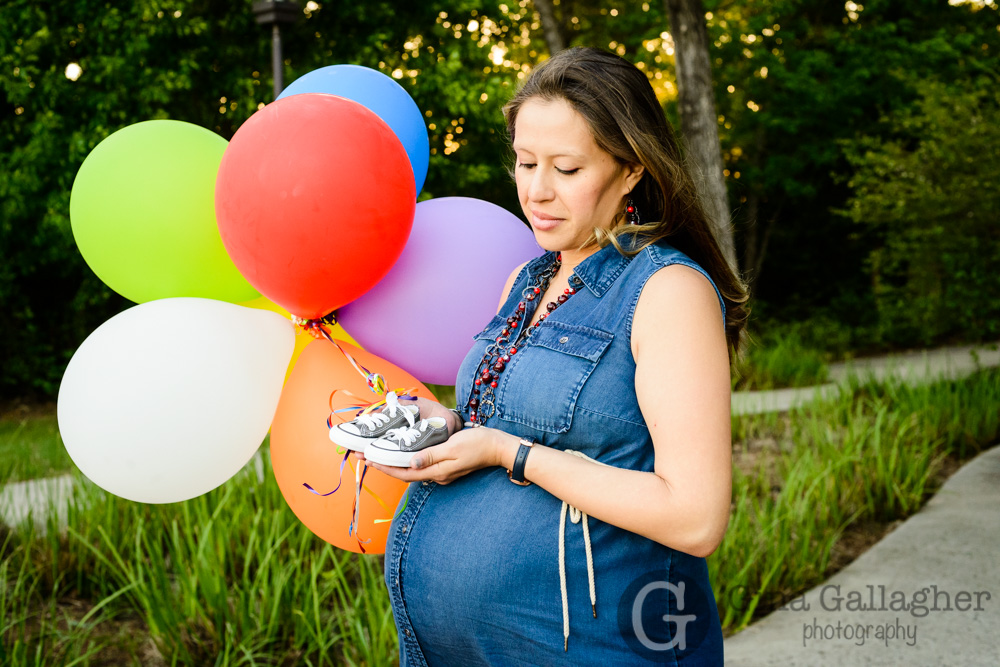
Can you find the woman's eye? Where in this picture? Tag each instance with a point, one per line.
(567, 172)
(525, 165)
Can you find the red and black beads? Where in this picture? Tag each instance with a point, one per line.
(498, 354)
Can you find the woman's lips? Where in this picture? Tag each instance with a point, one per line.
(544, 222)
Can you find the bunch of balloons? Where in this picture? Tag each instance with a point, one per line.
(309, 210)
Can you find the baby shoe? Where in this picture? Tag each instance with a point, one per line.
(398, 446)
(358, 433)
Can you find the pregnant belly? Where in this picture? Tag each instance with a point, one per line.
(480, 574)
(483, 553)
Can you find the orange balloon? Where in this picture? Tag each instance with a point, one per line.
(301, 450)
(301, 337)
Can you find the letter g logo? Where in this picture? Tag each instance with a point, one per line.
(680, 637)
(658, 615)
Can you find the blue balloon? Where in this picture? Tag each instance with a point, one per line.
(380, 94)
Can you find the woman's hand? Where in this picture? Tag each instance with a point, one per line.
(468, 450)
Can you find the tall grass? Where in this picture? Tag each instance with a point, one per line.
(233, 578)
(870, 455)
(778, 360)
(30, 447)
(230, 578)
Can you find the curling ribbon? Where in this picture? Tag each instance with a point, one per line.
(319, 328)
(362, 406)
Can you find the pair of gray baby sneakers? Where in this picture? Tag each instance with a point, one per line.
(390, 436)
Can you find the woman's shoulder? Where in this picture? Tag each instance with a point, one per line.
(663, 254)
(692, 279)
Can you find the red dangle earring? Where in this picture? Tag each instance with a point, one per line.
(631, 212)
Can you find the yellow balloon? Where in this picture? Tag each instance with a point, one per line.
(301, 337)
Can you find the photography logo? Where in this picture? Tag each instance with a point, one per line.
(658, 617)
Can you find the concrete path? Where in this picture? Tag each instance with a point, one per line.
(33, 499)
(914, 368)
(927, 594)
(20, 501)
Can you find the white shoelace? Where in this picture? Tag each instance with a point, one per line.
(375, 419)
(407, 435)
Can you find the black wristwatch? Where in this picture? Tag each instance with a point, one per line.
(461, 419)
(516, 474)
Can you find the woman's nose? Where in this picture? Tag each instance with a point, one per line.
(540, 188)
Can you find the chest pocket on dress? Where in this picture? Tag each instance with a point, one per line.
(543, 380)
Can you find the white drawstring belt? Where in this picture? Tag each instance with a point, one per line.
(575, 515)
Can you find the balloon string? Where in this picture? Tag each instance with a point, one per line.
(381, 502)
(362, 406)
(320, 328)
(359, 477)
(340, 477)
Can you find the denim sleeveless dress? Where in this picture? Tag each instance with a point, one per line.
(476, 569)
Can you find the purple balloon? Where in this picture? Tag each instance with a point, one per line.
(443, 289)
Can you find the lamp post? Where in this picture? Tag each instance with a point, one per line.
(274, 13)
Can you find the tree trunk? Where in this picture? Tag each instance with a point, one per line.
(550, 26)
(699, 122)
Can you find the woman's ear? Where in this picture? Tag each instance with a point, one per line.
(633, 174)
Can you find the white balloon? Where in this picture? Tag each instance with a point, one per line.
(169, 399)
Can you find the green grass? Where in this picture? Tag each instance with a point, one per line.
(778, 360)
(871, 455)
(233, 578)
(30, 447)
(229, 578)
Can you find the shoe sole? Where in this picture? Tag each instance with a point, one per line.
(355, 443)
(388, 457)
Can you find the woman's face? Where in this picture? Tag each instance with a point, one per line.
(566, 184)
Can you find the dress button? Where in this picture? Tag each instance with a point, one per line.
(404, 528)
(424, 483)
(406, 632)
(564, 339)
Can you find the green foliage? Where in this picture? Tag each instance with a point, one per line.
(928, 190)
(137, 61)
(778, 359)
(797, 82)
(807, 79)
(31, 447)
(229, 578)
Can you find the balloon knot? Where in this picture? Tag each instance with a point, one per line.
(317, 328)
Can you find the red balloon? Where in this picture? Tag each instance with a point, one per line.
(314, 201)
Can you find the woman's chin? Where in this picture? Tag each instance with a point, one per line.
(549, 240)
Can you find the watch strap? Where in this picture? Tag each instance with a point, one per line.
(516, 473)
(461, 418)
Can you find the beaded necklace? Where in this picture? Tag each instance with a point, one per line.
(498, 354)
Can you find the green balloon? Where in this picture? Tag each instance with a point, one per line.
(143, 214)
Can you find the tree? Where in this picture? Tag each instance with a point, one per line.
(795, 81)
(699, 124)
(550, 26)
(205, 62)
(930, 193)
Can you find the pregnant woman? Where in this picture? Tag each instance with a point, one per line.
(567, 518)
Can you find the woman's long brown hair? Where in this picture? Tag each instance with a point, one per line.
(627, 121)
